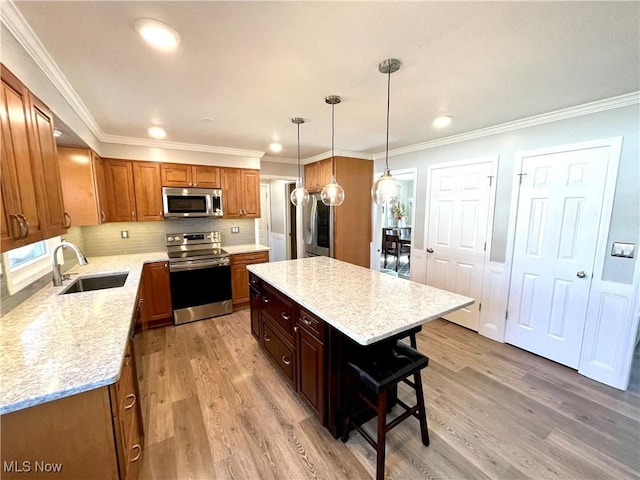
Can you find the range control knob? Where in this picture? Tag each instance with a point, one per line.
(170, 239)
(177, 238)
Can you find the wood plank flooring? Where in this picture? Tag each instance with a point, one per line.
(215, 408)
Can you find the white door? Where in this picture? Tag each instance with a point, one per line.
(264, 222)
(460, 206)
(558, 216)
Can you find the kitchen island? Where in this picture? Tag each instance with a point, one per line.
(310, 314)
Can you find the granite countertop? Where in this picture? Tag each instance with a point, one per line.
(247, 248)
(53, 346)
(363, 304)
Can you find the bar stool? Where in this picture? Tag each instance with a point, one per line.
(380, 372)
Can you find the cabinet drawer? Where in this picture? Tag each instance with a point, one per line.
(282, 354)
(312, 324)
(279, 310)
(249, 258)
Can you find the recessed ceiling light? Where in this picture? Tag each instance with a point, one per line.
(208, 119)
(157, 34)
(275, 147)
(157, 132)
(442, 121)
(57, 133)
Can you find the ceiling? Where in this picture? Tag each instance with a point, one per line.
(253, 65)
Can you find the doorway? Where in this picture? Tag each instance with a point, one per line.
(559, 219)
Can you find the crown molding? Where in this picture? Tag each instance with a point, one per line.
(13, 20)
(337, 153)
(557, 115)
(193, 147)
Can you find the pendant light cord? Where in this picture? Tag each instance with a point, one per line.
(386, 153)
(333, 157)
(299, 177)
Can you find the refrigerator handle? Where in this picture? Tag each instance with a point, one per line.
(314, 222)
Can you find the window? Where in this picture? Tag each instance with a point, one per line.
(26, 264)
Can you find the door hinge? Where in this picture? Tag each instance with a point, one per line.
(521, 175)
(485, 246)
(490, 177)
(506, 314)
(479, 307)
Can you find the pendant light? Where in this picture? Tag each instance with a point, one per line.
(386, 190)
(299, 196)
(332, 194)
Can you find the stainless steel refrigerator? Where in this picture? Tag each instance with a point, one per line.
(318, 228)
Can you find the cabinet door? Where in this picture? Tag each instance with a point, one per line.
(250, 185)
(176, 175)
(21, 219)
(157, 292)
(148, 191)
(45, 164)
(239, 284)
(310, 363)
(101, 189)
(325, 170)
(78, 185)
(311, 177)
(254, 299)
(118, 176)
(231, 194)
(206, 177)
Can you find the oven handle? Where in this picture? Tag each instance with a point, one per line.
(196, 266)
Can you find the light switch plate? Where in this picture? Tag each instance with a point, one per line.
(124, 233)
(620, 249)
(235, 229)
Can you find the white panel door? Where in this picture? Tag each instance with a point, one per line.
(459, 212)
(264, 222)
(557, 223)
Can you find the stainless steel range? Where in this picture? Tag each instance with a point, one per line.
(200, 275)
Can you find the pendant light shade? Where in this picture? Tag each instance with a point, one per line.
(332, 194)
(386, 190)
(299, 196)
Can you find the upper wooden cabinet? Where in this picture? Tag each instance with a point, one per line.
(240, 193)
(180, 175)
(317, 174)
(32, 206)
(133, 190)
(83, 187)
(147, 191)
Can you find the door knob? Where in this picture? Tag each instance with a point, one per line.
(429, 250)
(581, 274)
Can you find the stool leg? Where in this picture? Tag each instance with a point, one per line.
(382, 434)
(422, 411)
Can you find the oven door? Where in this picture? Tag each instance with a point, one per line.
(199, 289)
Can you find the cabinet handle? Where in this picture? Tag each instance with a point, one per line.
(103, 216)
(166, 265)
(20, 224)
(133, 215)
(127, 360)
(267, 338)
(24, 226)
(296, 328)
(286, 360)
(265, 299)
(135, 459)
(285, 316)
(68, 225)
(308, 323)
(132, 396)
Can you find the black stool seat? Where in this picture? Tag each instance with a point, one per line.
(379, 369)
(385, 369)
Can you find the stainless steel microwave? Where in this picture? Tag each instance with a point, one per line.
(191, 202)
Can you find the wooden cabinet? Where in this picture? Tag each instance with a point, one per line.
(83, 187)
(95, 431)
(295, 341)
(240, 193)
(317, 174)
(181, 175)
(240, 275)
(32, 205)
(147, 191)
(133, 190)
(155, 301)
(309, 334)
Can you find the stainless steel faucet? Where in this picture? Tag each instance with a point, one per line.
(82, 260)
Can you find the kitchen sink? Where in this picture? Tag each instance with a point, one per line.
(96, 282)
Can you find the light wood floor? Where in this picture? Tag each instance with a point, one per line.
(213, 407)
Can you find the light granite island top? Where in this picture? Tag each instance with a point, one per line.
(365, 305)
(53, 346)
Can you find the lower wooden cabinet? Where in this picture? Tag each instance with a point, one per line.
(240, 275)
(93, 434)
(154, 300)
(294, 339)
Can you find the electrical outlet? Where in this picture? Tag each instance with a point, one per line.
(235, 229)
(124, 233)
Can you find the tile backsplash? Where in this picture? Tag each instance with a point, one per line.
(143, 237)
